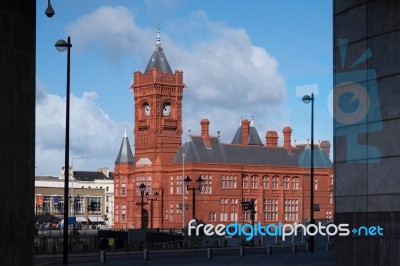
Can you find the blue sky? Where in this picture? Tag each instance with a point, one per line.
(239, 58)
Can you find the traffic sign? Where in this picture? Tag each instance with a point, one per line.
(71, 220)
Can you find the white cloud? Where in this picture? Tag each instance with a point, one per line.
(92, 133)
(112, 29)
(227, 77)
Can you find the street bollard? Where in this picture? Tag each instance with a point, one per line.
(209, 253)
(102, 256)
(145, 254)
(269, 250)
(307, 247)
(329, 246)
(241, 251)
(294, 249)
(262, 241)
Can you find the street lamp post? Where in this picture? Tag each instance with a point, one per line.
(151, 206)
(183, 191)
(142, 187)
(199, 184)
(61, 46)
(306, 99)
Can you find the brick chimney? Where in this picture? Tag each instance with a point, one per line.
(287, 139)
(205, 132)
(245, 131)
(271, 139)
(326, 147)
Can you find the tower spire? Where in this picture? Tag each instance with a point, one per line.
(158, 36)
(125, 152)
(158, 59)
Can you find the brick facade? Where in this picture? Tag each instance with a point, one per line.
(276, 177)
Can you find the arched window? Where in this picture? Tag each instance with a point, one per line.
(265, 182)
(254, 180)
(286, 182)
(275, 181)
(295, 182)
(244, 181)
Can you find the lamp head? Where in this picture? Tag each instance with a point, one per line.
(307, 99)
(49, 10)
(200, 182)
(142, 187)
(187, 181)
(61, 45)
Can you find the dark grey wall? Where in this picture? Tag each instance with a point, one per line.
(17, 130)
(367, 131)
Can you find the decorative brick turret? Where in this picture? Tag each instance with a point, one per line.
(287, 139)
(326, 147)
(205, 131)
(271, 139)
(245, 131)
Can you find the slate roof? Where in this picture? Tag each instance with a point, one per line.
(196, 151)
(91, 176)
(158, 59)
(320, 158)
(254, 138)
(125, 152)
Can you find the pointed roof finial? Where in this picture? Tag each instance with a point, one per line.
(158, 35)
(240, 122)
(252, 122)
(125, 131)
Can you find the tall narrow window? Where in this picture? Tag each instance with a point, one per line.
(275, 181)
(286, 182)
(244, 181)
(254, 181)
(265, 182)
(123, 186)
(295, 182)
(207, 184)
(171, 185)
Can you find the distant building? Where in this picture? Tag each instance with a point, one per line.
(276, 177)
(91, 196)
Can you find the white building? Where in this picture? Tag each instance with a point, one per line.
(91, 195)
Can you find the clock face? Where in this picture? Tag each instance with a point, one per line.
(147, 109)
(166, 110)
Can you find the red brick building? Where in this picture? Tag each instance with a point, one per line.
(276, 177)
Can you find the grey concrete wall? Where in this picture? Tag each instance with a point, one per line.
(17, 130)
(367, 131)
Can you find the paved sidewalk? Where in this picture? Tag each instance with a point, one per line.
(199, 257)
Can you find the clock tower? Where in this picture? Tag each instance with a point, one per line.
(158, 110)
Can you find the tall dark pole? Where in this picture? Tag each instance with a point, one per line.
(66, 167)
(61, 45)
(199, 187)
(151, 206)
(307, 99)
(142, 208)
(194, 202)
(312, 172)
(151, 213)
(142, 188)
